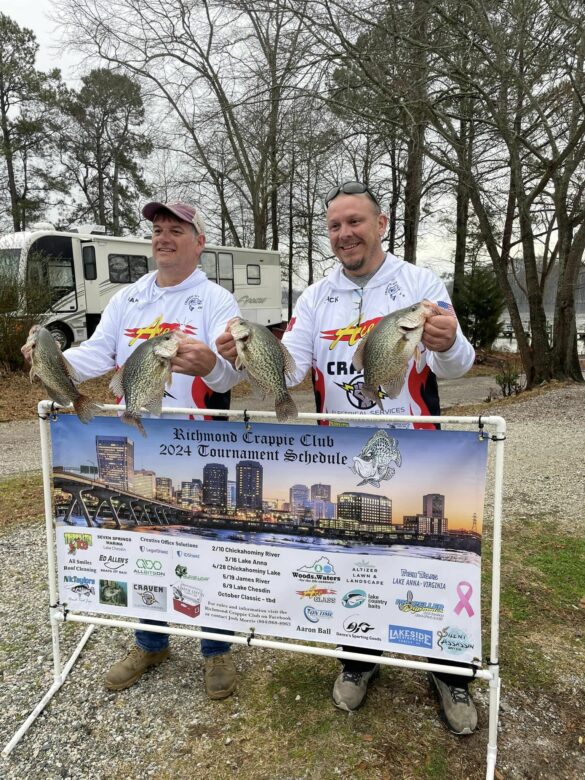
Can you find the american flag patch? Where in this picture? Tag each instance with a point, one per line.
(447, 308)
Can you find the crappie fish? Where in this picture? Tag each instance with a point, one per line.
(383, 354)
(57, 375)
(373, 462)
(143, 377)
(267, 362)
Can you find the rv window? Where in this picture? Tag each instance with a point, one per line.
(226, 270)
(207, 265)
(124, 269)
(89, 263)
(253, 274)
(50, 263)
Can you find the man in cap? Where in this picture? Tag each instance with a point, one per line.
(178, 297)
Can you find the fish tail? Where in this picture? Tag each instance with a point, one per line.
(85, 408)
(285, 408)
(130, 418)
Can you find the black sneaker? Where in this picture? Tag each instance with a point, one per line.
(457, 708)
(350, 688)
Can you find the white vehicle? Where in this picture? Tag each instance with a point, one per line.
(81, 272)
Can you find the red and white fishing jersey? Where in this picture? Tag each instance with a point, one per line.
(331, 317)
(143, 310)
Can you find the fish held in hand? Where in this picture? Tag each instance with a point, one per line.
(267, 362)
(384, 353)
(56, 374)
(143, 378)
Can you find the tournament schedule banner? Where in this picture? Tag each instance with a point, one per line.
(356, 536)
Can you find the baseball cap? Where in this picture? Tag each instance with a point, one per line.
(182, 211)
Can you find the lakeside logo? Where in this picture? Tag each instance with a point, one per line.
(149, 596)
(76, 541)
(413, 637)
(425, 609)
(453, 640)
(114, 593)
(354, 598)
(150, 567)
(314, 615)
(355, 625)
(321, 570)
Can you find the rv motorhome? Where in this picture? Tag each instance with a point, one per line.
(81, 272)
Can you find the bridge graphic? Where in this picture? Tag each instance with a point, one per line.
(100, 504)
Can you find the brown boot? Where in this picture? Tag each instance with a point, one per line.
(220, 676)
(130, 669)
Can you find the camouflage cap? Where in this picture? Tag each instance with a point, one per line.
(182, 211)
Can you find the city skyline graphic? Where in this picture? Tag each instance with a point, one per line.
(449, 464)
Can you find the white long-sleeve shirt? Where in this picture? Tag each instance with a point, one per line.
(331, 317)
(196, 307)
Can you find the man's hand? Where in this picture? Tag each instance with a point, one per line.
(440, 331)
(193, 357)
(26, 350)
(226, 345)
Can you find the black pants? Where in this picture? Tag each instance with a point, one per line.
(363, 666)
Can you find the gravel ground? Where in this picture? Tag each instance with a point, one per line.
(90, 733)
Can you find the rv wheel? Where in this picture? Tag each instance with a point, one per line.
(62, 336)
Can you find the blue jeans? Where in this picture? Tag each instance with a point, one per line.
(152, 643)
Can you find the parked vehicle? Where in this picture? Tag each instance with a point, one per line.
(81, 272)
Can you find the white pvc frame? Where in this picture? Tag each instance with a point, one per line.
(57, 614)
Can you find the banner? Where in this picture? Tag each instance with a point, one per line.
(364, 537)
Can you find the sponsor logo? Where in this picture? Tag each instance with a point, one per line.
(183, 554)
(131, 299)
(332, 299)
(247, 300)
(414, 637)
(112, 562)
(320, 595)
(150, 567)
(464, 592)
(187, 599)
(321, 570)
(156, 328)
(153, 550)
(79, 588)
(149, 596)
(75, 542)
(354, 598)
(314, 615)
(364, 575)
(426, 609)
(354, 625)
(351, 333)
(453, 640)
(114, 593)
(355, 395)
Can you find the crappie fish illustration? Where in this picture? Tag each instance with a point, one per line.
(143, 377)
(267, 362)
(384, 353)
(373, 462)
(56, 374)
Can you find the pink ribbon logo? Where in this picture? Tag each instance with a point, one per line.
(464, 596)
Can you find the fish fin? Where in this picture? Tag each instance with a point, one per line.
(85, 408)
(372, 393)
(393, 385)
(374, 482)
(418, 359)
(32, 374)
(130, 418)
(363, 482)
(154, 407)
(358, 355)
(289, 362)
(239, 363)
(116, 383)
(398, 458)
(285, 408)
(70, 371)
